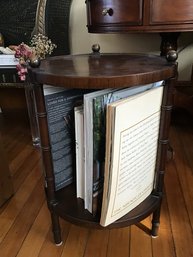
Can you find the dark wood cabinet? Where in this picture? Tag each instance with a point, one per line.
(167, 17)
(115, 13)
(169, 12)
(105, 16)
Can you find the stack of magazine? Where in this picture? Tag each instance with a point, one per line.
(105, 141)
(8, 62)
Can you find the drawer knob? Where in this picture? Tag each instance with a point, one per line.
(107, 11)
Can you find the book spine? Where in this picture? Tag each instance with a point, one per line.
(60, 111)
(9, 76)
(79, 142)
(98, 151)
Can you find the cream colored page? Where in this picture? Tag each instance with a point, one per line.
(136, 165)
(134, 153)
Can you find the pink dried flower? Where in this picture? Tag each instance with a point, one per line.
(23, 51)
(22, 70)
(22, 77)
(40, 47)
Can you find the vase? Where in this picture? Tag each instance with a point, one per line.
(35, 63)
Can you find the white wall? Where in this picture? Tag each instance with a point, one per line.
(81, 41)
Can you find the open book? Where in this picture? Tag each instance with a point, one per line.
(132, 130)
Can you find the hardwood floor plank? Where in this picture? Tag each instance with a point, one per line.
(17, 144)
(25, 169)
(97, 243)
(25, 225)
(140, 243)
(36, 236)
(4, 206)
(180, 222)
(163, 245)
(76, 241)
(119, 242)
(10, 138)
(16, 132)
(13, 240)
(12, 126)
(16, 163)
(49, 249)
(16, 203)
(184, 167)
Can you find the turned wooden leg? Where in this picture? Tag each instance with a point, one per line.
(56, 229)
(156, 222)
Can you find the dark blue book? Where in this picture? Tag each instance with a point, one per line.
(60, 105)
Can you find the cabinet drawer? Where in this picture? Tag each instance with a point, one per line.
(104, 12)
(171, 12)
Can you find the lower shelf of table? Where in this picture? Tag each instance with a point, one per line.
(71, 208)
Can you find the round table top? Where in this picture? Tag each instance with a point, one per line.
(102, 70)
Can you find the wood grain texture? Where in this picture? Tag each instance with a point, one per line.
(25, 226)
(97, 71)
(139, 16)
(6, 186)
(118, 249)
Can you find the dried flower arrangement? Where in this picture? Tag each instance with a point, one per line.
(40, 47)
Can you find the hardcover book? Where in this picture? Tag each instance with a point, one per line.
(60, 105)
(79, 142)
(9, 75)
(94, 135)
(132, 130)
(7, 60)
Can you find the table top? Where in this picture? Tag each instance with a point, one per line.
(102, 70)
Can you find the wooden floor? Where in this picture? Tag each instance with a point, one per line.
(25, 222)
